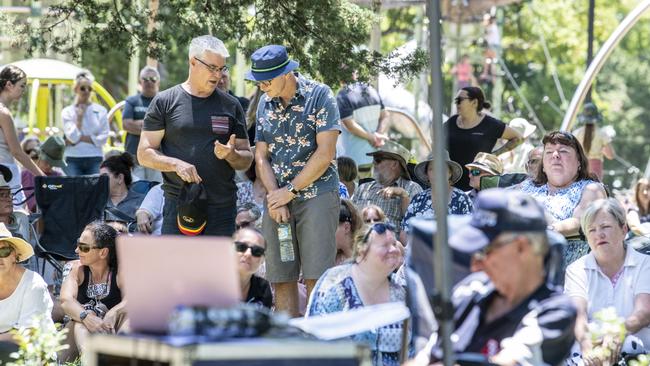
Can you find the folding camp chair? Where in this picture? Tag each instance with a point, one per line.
(67, 205)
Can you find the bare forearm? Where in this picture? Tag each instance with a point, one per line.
(314, 169)
(637, 321)
(240, 159)
(511, 144)
(265, 173)
(86, 138)
(28, 163)
(568, 227)
(7, 337)
(154, 159)
(355, 129)
(133, 126)
(72, 308)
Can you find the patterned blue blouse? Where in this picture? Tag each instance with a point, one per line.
(291, 133)
(561, 204)
(335, 291)
(422, 206)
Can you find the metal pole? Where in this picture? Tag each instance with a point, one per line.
(598, 61)
(442, 258)
(590, 41)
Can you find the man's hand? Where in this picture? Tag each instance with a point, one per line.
(279, 197)
(224, 151)
(144, 222)
(187, 172)
(280, 215)
(378, 139)
(390, 192)
(93, 323)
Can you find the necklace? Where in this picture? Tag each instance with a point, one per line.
(98, 291)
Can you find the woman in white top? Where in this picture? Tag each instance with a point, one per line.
(86, 129)
(13, 82)
(612, 275)
(23, 293)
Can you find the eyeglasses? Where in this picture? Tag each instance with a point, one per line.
(243, 224)
(256, 250)
(5, 193)
(265, 83)
(5, 251)
(458, 100)
(212, 68)
(532, 161)
(380, 228)
(86, 88)
(151, 79)
(483, 253)
(475, 172)
(85, 248)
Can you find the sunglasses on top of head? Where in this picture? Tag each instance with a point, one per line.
(256, 250)
(380, 228)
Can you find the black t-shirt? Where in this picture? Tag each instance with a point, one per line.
(135, 108)
(356, 96)
(464, 144)
(260, 292)
(192, 125)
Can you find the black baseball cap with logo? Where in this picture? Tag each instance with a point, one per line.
(192, 209)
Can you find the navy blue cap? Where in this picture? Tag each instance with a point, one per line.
(496, 211)
(269, 62)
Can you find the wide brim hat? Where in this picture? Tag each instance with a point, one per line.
(23, 249)
(421, 169)
(52, 151)
(270, 62)
(398, 152)
(192, 216)
(486, 162)
(522, 126)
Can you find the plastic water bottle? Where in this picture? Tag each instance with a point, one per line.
(286, 243)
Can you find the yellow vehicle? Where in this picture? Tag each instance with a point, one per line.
(50, 91)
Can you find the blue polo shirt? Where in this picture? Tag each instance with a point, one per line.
(291, 133)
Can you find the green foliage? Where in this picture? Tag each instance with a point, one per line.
(38, 344)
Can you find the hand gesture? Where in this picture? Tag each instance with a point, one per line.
(223, 151)
(80, 109)
(187, 172)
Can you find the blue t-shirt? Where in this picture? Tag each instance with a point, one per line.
(135, 108)
(291, 133)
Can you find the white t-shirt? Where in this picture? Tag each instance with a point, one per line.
(584, 279)
(30, 298)
(153, 204)
(95, 125)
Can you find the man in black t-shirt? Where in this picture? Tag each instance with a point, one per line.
(135, 108)
(195, 133)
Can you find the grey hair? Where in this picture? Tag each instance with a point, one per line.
(609, 205)
(84, 74)
(147, 69)
(201, 44)
(251, 208)
(537, 240)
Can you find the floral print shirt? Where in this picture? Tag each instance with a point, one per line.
(561, 204)
(422, 206)
(291, 133)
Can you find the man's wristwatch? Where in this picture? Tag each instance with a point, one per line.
(291, 188)
(83, 314)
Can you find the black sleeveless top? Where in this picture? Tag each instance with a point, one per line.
(113, 298)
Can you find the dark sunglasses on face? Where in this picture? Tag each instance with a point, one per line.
(378, 159)
(151, 79)
(85, 88)
(256, 250)
(85, 248)
(458, 100)
(380, 228)
(475, 172)
(5, 251)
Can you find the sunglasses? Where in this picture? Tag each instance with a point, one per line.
(378, 159)
(85, 248)
(458, 100)
(380, 228)
(475, 172)
(151, 79)
(5, 251)
(5, 193)
(85, 88)
(212, 68)
(256, 250)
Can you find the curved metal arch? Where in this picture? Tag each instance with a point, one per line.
(597, 64)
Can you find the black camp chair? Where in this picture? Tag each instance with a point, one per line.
(67, 205)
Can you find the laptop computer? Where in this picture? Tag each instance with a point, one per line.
(159, 273)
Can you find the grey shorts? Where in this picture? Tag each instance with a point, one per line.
(313, 225)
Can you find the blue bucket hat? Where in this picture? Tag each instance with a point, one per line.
(496, 211)
(269, 62)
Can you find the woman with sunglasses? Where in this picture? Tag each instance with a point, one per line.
(367, 280)
(349, 224)
(23, 293)
(472, 131)
(13, 82)
(91, 294)
(86, 129)
(565, 186)
(250, 246)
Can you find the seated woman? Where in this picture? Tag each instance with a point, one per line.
(613, 274)
(372, 213)
(565, 187)
(368, 280)
(91, 294)
(349, 224)
(118, 169)
(638, 216)
(250, 246)
(23, 293)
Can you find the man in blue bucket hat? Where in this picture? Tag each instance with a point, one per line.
(296, 131)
